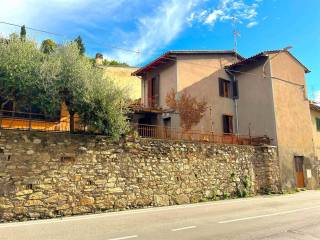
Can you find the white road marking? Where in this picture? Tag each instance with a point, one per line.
(183, 228)
(124, 213)
(126, 237)
(140, 211)
(268, 215)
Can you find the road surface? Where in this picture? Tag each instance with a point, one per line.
(284, 217)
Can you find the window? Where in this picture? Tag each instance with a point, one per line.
(224, 88)
(153, 91)
(318, 124)
(227, 124)
(228, 88)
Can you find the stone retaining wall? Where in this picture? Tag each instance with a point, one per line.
(48, 175)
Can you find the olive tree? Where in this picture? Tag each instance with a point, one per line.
(74, 73)
(20, 63)
(105, 106)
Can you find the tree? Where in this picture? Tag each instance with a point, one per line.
(23, 33)
(48, 46)
(74, 72)
(105, 107)
(30, 77)
(80, 45)
(189, 108)
(19, 68)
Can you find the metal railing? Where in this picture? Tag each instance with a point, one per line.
(162, 132)
(33, 121)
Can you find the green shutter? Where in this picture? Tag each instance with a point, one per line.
(318, 124)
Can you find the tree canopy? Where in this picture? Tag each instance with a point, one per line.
(23, 33)
(80, 45)
(29, 75)
(48, 46)
(20, 64)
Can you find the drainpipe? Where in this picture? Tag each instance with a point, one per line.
(234, 79)
(236, 109)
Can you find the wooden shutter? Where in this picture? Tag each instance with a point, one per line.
(149, 86)
(235, 89)
(225, 123)
(230, 119)
(221, 88)
(318, 124)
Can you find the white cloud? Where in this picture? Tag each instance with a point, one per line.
(229, 10)
(158, 30)
(214, 16)
(252, 24)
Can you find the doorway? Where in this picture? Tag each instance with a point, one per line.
(298, 161)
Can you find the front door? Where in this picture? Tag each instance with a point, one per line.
(298, 160)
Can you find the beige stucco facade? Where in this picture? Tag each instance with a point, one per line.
(273, 102)
(293, 118)
(198, 75)
(315, 114)
(122, 77)
(256, 116)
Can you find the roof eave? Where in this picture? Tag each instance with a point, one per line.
(172, 54)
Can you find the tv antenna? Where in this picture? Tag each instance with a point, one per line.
(236, 34)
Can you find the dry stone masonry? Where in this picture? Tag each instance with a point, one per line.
(48, 175)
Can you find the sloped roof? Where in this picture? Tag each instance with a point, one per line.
(260, 55)
(171, 56)
(314, 106)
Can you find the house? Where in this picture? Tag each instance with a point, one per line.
(121, 76)
(261, 95)
(196, 72)
(315, 117)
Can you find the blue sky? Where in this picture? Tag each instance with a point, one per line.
(155, 26)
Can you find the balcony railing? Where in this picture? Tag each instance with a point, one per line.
(153, 102)
(162, 132)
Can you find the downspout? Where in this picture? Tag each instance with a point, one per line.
(236, 108)
(235, 101)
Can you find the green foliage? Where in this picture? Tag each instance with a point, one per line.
(114, 63)
(29, 76)
(244, 188)
(80, 45)
(48, 46)
(105, 107)
(23, 33)
(19, 70)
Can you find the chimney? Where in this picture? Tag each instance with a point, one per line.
(99, 59)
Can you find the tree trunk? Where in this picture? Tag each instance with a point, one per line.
(71, 122)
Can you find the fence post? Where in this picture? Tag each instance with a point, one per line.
(29, 121)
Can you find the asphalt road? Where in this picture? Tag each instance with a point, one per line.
(284, 217)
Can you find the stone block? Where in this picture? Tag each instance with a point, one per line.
(37, 196)
(86, 201)
(181, 199)
(30, 203)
